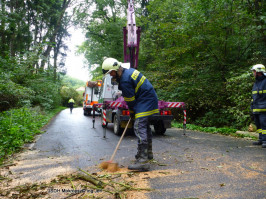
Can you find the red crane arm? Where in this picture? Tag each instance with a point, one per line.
(131, 37)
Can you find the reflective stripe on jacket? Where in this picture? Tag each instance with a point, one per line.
(71, 101)
(139, 93)
(259, 95)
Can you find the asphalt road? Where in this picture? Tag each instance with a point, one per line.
(200, 165)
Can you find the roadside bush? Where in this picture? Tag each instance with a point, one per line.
(14, 95)
(240, 97)
(46, 92)
(67, 93)
(21, 86)
(217, 118)
(18, 126)
(223, 131)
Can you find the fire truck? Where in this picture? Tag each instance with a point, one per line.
(111, 103)
(91, 96)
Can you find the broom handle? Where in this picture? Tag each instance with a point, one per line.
(120, 141)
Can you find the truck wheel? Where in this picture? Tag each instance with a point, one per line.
(85, 113)
(89, 112)
(159, 128)
(117, 128)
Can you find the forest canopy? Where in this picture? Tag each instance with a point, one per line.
(196, 51)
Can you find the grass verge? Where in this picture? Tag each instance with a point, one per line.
(214, 130)
(19, 126)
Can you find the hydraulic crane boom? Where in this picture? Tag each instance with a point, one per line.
(113, 107)
(131, 37)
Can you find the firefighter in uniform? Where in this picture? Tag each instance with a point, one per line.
(258, 105)
(71, 104)
(142, 101)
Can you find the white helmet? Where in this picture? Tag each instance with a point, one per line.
(258, 68)
(110, 64)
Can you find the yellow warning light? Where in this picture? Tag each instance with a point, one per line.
(99, 83)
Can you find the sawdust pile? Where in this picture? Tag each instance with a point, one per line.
(124, 184)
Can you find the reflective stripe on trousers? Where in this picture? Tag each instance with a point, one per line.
(142, 130)
(260, 121)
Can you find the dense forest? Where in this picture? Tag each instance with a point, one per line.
(196, 51)
(33, 49)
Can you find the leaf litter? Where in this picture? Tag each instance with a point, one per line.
(124, 184)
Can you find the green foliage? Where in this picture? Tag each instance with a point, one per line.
(46, 92)
(223, 131)
(20, 87)
(29, 31)
(14, 95)
(240, 88)
(214, 130)
(192, 50)
(68, 93)
(68, 90)
(72, 82)
(27, 25)
(18, 126)
(97, 74)
(195, 51)
(218, 118)
(104, 36)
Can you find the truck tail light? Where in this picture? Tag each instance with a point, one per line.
(165, 112)
(125, 112)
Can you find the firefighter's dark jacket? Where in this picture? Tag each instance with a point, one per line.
(139, 93)
(258, 104)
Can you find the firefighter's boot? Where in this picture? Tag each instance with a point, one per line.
(150, 154)
(141, 164)
(138, 153)
(259, 142)
(263, 144)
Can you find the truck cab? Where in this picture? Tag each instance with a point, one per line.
(109, 90)
(91, 96)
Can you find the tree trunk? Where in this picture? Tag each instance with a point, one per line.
(55, 32)
(2, 29)
(55, 61)
(13, 32)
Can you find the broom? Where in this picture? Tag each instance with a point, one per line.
(109, 165)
